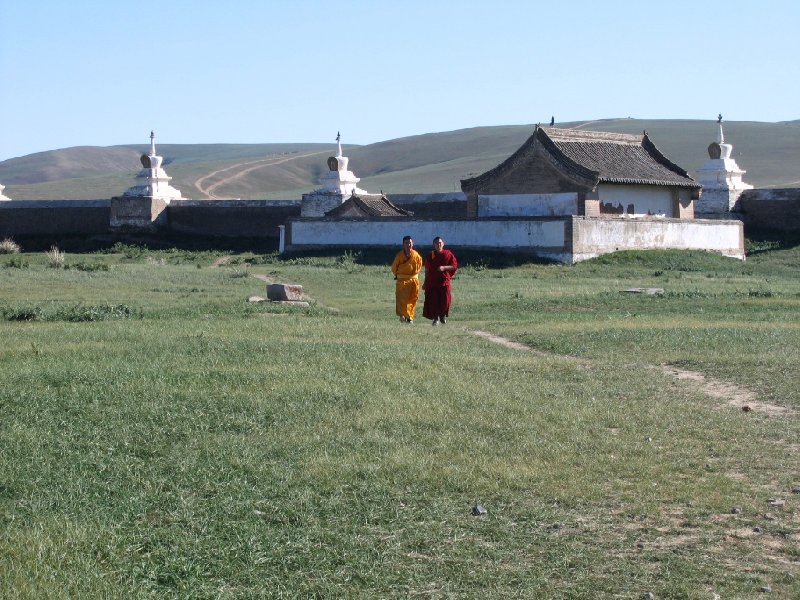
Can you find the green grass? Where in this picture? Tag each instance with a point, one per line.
(196, 446)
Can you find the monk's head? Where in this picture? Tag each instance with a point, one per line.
(438, 244)
(408, 244)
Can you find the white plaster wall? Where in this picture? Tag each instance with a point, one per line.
(316, 204)
(481, 234)
(646, 199)
(528, 205)
(591, 237)
(594, 237)
(717, 200)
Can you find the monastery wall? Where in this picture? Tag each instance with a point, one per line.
(531, 235)
(563, 239)
(436, 214)
(593, 237)
(54, 217)
(445, 205)
(230, 218)
(771, 210)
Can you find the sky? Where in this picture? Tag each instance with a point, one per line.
(102, 73)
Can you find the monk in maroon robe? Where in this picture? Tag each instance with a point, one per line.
(440, 266)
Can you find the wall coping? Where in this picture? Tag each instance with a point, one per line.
(234, 202)
(55, 204)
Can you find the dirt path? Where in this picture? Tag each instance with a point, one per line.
(264, 278)
(729, 393)
(584, 124)
(242, 169)
(733, 394)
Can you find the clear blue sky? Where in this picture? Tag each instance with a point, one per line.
(104, 72)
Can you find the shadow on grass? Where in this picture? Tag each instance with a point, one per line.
(372, 256)
(760, 241)
(108, 243)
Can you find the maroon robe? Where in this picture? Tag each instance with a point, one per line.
(437, 284)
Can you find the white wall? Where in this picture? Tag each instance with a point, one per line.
(528, 205)
(646, 199)
(591, 236)
(594, 237)
(480, 234)
(316, 204)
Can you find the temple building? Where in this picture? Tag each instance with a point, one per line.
(721, 179)
(560, 172)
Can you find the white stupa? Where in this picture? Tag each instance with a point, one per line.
(2, 197)
(721, 178)
(338, 184)
(143, 207)
(152, 180)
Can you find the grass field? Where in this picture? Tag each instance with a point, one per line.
(162, 438)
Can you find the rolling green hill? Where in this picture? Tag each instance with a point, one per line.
(435, 162)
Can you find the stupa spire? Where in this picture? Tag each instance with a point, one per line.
(338, 184)
(152, 181)
(720, 177)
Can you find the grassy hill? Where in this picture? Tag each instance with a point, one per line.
(435, 162)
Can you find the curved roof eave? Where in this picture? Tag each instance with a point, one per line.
(628, 181)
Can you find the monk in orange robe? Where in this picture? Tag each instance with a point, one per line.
(406, 267)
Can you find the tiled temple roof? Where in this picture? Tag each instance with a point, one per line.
(367, 206)
(599, 158)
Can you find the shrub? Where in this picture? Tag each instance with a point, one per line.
(129, 251)
(17, 263)
(96, 312)
(9, 246)
(79, 313)
(348, 260)
(90, 267)
(55, 258)
(27, 313)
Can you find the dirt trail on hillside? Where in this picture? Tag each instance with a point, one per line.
(730, 393)
(584, 124)
(242, 169)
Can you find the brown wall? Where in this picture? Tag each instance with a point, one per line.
(443, 205)
(771, 209)
(56, 217)
(230, 218)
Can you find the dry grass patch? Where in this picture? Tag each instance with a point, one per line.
(9, 246)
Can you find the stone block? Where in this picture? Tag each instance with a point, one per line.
(282, 292)
(135, 213)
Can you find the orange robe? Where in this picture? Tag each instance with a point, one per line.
(406, 290)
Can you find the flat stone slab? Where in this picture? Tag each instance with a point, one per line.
(284, 292)
(301, 303)
(647, 291)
